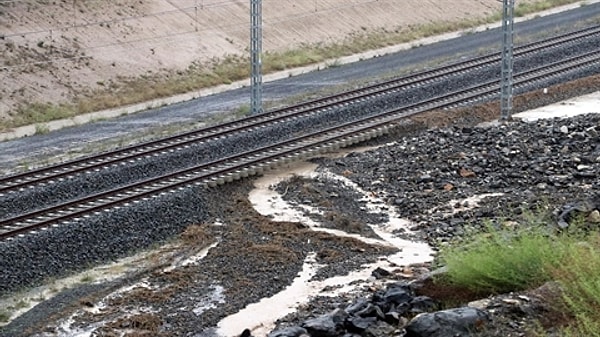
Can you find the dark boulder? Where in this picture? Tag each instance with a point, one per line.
(293, 331)
(422, 304)
(455, 322)
(570, 212)
(371, 310)
(356, 306)
(395, 294)
(379, 329)
(380, 273)
(359, 324)
(330, 325)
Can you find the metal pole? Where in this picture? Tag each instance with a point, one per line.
(506, 93)
(255, 55)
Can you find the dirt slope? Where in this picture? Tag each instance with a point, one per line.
(53, 50)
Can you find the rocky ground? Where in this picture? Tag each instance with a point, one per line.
(432, 176)
(426, 173)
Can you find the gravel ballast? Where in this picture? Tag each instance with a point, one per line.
(11, 204)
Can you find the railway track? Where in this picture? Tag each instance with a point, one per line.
(125, 156)
(258, 160)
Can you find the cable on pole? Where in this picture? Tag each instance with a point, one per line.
(506, 93)
(255, 55)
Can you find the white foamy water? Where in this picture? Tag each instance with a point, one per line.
(564, 109)
(113, 271)
(260, 317)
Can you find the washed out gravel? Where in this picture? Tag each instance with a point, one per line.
(535, 167)
(257, 258)
(104, 237)
(539, 164)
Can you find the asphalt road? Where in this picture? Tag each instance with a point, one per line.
(36, 149)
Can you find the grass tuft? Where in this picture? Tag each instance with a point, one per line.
(523, 9)
(504, 260)
(499, 261)
(580, 277)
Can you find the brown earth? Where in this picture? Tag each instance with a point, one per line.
(55, 50)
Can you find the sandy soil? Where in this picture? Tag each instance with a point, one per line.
(54, 50)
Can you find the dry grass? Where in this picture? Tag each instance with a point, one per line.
(272, 253)
(197, 236)
(145, 324)
(523, 9)
(328, 255)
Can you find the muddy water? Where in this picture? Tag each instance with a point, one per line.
(260, 317)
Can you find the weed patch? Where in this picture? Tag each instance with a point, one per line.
(501, 261)
(196, 235)
(504, 260)
(523, 9)
(580, 278)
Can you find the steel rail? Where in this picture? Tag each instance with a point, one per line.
(257, 160)
(124, 155)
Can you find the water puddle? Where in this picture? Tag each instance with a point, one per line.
(465, 204)
(169, 253)
(210, 301)
(260, 317)
(22, 302)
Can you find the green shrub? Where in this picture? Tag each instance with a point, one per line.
(505, 260)
(579, 276)
(498, 261)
